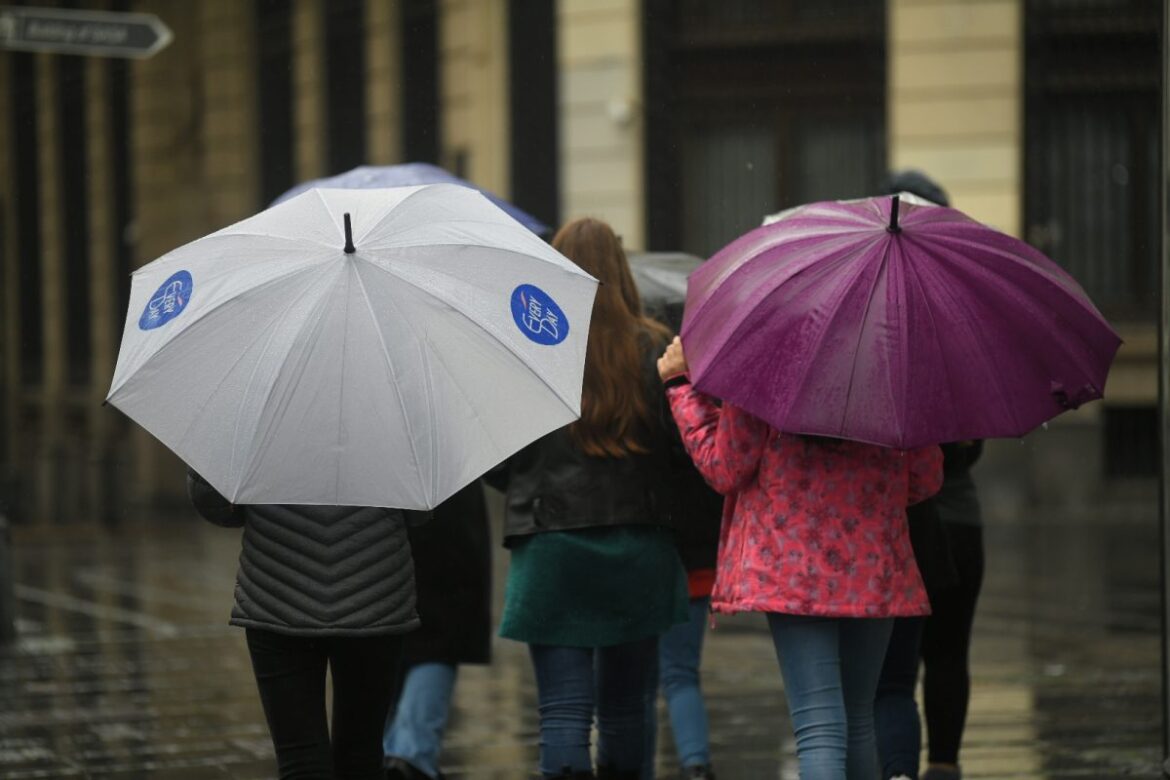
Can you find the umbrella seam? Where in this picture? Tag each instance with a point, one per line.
(482, 326)
(200, 316)
(520, 230)
(299, 242)
(943, 353)
(987, 359)
(260, 437)
(180, 337)
(820, 338)
(394, 373)
(882, 270)
(689, 318)
(251, 378)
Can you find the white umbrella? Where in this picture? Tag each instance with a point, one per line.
(287, 367)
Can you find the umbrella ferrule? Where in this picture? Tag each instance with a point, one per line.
(893, 227)
(349, 247)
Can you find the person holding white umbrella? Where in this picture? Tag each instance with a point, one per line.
(321, 587)
(321, 367)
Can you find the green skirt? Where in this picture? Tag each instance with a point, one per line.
(594, 587)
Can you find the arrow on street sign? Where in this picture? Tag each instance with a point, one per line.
(96, 33)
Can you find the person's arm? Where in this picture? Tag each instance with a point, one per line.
(926, 473)
(725, 443)
(209, 503)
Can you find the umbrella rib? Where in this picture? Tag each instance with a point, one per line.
(820, 338)
(182, 335)
(881, 271)
(255, 369)
(200, 316)
(167, 258)
(1056, 281)
(402, 406)
(259, 437)
(987, 359)
(568, 267)
(934, 331)
(482, 326)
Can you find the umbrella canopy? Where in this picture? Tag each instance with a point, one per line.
(410, 175)
(662, 283)
(289, 361)
(852, 320)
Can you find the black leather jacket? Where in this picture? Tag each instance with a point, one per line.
(553, 486)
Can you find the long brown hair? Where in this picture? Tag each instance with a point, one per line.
(614, 411)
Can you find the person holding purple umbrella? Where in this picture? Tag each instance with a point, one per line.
(814, 535)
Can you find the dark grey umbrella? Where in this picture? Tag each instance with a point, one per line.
(662, 282)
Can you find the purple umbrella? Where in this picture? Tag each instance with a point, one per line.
(840, 319)
(409, 175)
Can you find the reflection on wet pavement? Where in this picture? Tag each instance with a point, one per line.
(126, 668)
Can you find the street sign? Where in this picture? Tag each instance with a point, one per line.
(95, 33)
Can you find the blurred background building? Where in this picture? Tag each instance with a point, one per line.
(682, 122)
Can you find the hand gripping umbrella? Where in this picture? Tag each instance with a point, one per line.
(852, 320)
(290, 359)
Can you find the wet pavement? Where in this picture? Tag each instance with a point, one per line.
(125, 667)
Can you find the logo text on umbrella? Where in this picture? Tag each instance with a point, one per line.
(538, 316)
(168, 301)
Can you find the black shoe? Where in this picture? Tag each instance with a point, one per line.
(700, 772)
(569, 774)
(398, 769)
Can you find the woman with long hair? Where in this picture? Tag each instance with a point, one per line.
(815, 536)
(595, 577)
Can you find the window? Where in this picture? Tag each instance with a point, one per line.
(1091, 135)
(754, 106)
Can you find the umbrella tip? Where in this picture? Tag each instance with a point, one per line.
(349, 247)
(893, 227)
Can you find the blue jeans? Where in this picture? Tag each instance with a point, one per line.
(830, 668)
(571, 682)
(896, 722)
(414, 730)
(680, 651)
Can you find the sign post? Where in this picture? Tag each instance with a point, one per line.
(93, 33)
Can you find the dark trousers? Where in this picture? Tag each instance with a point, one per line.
(895, 713)
(290, 673)
(946, 644)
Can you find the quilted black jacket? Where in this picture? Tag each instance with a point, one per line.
(317, 570)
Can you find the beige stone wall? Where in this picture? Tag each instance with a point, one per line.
(230, 144)
(168, 188)
(473, 94)
(599, 49)
(955, 100)
(383, 82)
(166, 137)
(308, 43)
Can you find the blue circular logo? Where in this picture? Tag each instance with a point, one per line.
(168, 301)
(537, 315)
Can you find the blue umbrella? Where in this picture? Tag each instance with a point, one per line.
(409, 175)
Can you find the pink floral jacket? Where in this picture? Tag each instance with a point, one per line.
(810, 526)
